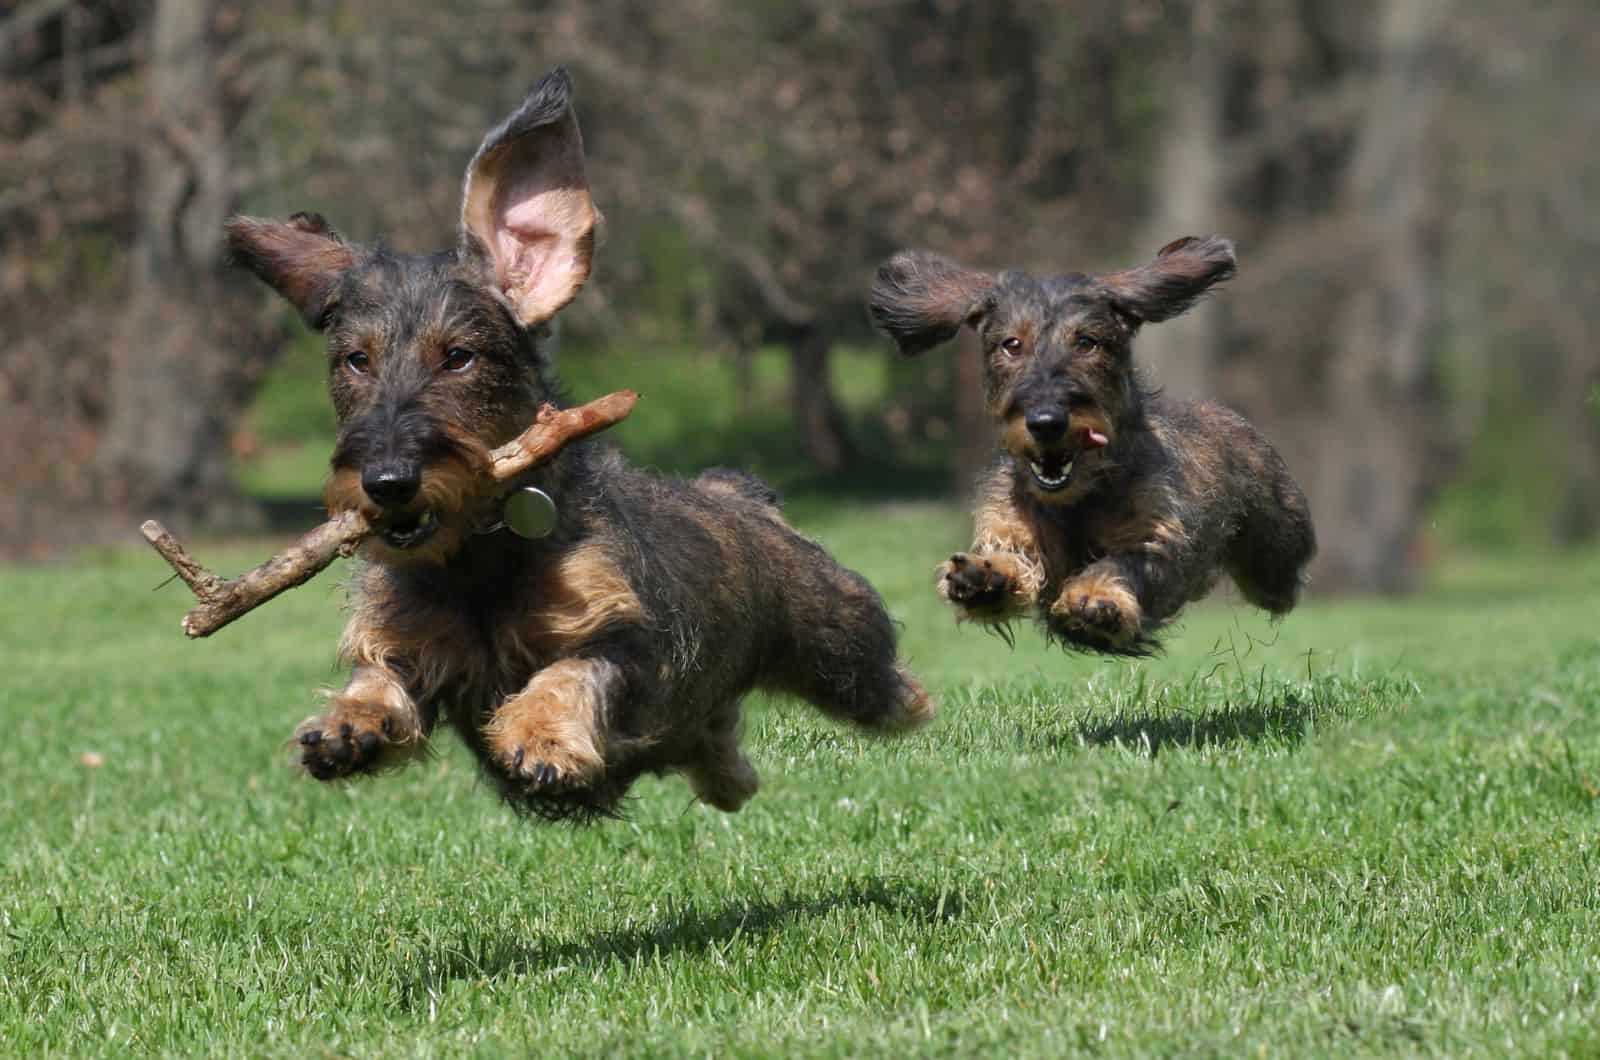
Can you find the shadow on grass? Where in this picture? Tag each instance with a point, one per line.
(1281, 714)
(1286, 722)
(479, 955)
(1229, 705)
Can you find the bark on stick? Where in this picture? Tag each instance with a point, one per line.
(221, 600)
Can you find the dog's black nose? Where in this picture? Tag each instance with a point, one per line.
(392, 483)
(1046, 425)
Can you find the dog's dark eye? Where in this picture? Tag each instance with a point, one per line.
(1011, 345)
(357, 362)
(1086, 342)
(457, 359)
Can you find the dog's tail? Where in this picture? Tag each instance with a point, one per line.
(740, 484)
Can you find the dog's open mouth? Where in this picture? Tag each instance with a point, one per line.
(409, 529)
(1051, 471)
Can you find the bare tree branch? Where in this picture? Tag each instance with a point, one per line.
(28, 18)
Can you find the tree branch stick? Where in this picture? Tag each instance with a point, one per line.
(221, 600)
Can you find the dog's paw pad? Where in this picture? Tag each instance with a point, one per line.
(973, 581)
(1097, 616)
(330, 748)
(1103, 615)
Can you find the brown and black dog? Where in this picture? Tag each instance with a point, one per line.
(1108, 507)
(624, 640)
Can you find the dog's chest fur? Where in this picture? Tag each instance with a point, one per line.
(478, 628)
(1138, 509)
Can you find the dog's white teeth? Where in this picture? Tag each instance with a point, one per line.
(1048, 481)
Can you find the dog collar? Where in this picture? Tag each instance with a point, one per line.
(528, 512)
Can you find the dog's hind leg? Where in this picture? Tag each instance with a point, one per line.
(1268, 557)
(840, 653)
(1275, 541)
(719, 773)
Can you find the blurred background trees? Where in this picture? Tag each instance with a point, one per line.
(1409, 183)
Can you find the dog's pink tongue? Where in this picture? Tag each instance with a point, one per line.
(1095, 440)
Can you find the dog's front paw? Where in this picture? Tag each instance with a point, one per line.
(976, 583)
(1099, 611)
(354, 737)
(538, 758)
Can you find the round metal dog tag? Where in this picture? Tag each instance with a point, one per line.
(530, 512)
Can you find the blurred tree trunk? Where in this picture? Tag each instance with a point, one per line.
(1188, 201)
(816, 411)
(1577, 514)
(178, 377)
(1382, 453)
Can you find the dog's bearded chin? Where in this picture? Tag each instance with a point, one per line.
(1051, 471)
(406, 530)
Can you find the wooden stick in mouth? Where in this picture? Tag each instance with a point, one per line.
(221, 600)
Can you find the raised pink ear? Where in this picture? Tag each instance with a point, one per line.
(525, 210)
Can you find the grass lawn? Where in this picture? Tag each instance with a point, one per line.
(1373, 829)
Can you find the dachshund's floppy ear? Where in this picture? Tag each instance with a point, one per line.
(920, 299)
(1182, 271)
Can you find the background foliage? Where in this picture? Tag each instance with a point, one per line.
(1407, 181)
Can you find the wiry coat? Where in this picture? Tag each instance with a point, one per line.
(624, 640)
(1107, 508)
